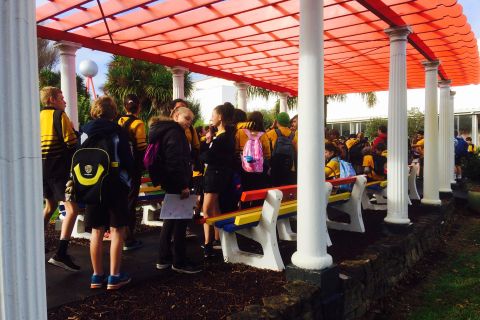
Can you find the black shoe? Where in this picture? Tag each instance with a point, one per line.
(64, 262)
(132, 245)
(186, 268)
(208, 250)
(164, 264)
(216, 245)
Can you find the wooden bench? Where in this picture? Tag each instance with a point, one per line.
(150, 199)
(261, 223)
(378, 190)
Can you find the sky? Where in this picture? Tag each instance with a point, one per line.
(471, 9)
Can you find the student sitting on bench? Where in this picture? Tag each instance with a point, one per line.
(375, 163)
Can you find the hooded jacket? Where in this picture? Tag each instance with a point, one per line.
(174, 154)
(106, 128)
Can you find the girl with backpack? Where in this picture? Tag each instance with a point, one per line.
(253, 147)
(332, 164)
(219, 162)
(112, 209)
(174, 167)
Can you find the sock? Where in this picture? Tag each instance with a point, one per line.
(62, 247)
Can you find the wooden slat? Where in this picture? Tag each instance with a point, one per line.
(289, 192)
(339, 197)
(146, 180)
(211, 221)
(248, 218)
(340, 181)
(150, 189)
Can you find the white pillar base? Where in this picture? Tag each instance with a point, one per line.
(301, 260)
(431, 202)
(446, 190)
(394, 220)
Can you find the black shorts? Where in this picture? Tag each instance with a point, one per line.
(54, 188)
(216, 180)
(112, 212)
(458, 160)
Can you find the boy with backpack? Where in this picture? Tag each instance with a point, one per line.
(284, 150)
(461, 151)
(374, 163)
(58, 143)
(100, 171)
(135, 130)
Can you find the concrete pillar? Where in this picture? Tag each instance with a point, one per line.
(68, 78)
(451, 147)
(431, 194)
(445, 155)
(283, 96)
(397, 192)
(22, 258)
(311, 218)
(242, 95)
(178, 78)
(474, 129)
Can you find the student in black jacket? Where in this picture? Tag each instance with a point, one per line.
(176, 175)
(219, 160)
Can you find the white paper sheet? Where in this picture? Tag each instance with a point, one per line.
(175, 208)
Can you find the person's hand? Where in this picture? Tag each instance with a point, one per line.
(185, 193)
(209, 136)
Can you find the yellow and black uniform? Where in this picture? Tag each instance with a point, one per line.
(272, 136)
(332, 169)
(368, 162)
(241, 139)
(351, 142)
(471, 148)
(58, 143)
(136, 131)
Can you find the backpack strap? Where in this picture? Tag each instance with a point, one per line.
(291, 136)
(57, 126)
(279, 133)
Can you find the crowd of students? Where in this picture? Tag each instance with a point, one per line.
(215, 164)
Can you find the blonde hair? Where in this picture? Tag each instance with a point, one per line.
(48, 92)
(103, 107)
(181, 110)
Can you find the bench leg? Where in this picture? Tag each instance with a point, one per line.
(148, 215)
(412, 187)
(284, 229)
(367, 205)
(265, 234)
(79, 228)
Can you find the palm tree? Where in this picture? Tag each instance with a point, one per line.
(47, 55)
(370, 98)
(152, 83)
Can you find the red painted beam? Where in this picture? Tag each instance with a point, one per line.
(289, 193)
(56, 35)
(384, 12)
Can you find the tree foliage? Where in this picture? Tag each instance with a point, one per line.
(152, 83)
(48, 56)
(372, 127)
(416, 121)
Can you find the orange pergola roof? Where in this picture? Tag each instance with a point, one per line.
(257, 41)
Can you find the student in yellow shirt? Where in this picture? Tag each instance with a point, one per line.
(332, 166)
(471, 146)
(374, 164)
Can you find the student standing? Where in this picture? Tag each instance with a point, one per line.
(219, 160)
(176, 170)
(135, 129)
(58, 143)
(112, 211)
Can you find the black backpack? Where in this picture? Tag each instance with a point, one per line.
(283, 154)
(94, 165)
(379, 164)
(355, 155)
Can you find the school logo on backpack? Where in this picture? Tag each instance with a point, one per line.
(252, 154)
(92, 164)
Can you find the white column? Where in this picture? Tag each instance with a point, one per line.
(311, 217)
(474, 129)
(178, 78)
(451, 121)
(22, 258)
(68, 78)
(242, 95)
(397, 192)
(352, 128)
(283, 96)
(445, 155)
(358, 127)
(431, 194)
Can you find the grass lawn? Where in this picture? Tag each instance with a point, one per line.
(453, 289)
